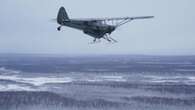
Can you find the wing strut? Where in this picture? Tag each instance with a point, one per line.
(123, 22)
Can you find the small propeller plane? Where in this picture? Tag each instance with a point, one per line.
(97, 28)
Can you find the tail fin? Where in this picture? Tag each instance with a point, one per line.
(62, 15)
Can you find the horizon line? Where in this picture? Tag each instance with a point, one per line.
(92, 54)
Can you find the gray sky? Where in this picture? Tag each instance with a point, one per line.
(26, 27)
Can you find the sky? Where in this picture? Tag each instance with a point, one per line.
(26, 26)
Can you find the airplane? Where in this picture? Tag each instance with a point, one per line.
(97, 28)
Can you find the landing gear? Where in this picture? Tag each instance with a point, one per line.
(59, 28)
(109, 39)
(115, 41)
(96, 40)
(106, 37)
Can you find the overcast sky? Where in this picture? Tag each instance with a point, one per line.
(26, 27)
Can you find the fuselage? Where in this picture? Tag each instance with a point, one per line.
(95, 29)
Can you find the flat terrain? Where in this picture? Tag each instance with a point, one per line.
(111, 82)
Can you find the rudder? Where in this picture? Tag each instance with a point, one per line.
(62, 15)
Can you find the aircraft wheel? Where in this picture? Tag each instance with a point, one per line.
(59, 28)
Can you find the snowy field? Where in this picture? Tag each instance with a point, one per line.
(41, 82)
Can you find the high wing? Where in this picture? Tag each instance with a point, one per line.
(111, 19)
(114, 21)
